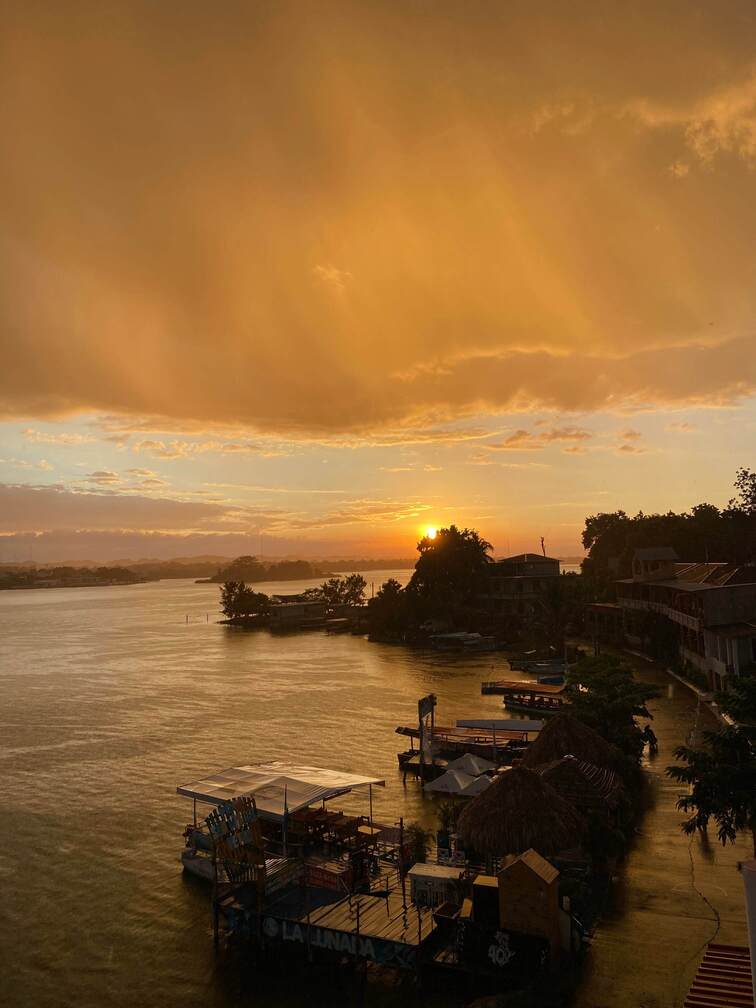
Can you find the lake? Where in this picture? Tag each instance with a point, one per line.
(112, 697)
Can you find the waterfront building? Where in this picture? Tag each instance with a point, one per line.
(517, 584)
(707, 611)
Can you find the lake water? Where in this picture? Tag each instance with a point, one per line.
(113, 696)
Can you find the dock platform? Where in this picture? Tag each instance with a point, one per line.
(381, 926)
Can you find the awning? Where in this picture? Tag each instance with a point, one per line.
(276, 787)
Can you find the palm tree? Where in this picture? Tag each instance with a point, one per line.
(722, 778)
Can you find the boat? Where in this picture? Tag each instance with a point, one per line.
(461, 641)
(534, 697)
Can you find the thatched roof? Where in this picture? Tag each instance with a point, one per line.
(518, 811)
(565, 735)
(583, 784)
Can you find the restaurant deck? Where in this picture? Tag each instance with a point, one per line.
(382, 925)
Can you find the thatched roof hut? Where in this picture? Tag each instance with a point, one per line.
(565, 735)
(587, 787)
(518, 811)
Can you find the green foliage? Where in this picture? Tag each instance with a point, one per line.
(238, 600)
(349, 590)
(419, 839)
(704, 533)
(740, 701)
(450, 572)
(722, 778)
(389, 611)
(605, 696)
(448, 813)
(250, 570)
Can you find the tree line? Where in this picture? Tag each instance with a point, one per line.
(239, 601)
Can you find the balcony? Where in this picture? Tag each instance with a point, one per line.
(683, 619)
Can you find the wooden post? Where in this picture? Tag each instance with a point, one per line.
(370, 796)
(401, 863)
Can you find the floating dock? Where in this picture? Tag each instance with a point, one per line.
(382, 927)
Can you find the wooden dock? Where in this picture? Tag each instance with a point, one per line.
(452, 742)
(381, 926)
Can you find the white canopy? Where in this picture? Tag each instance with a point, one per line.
(469, 764)
(479, 784)
(452, 782)
(278, 788)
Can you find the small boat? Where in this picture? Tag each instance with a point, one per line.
(528, 697)
(462, 641)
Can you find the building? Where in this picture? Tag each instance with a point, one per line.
(517, 584)
(708, 611)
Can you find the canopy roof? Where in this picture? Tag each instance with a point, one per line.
(451, 782)
(469, 764)
(277, 787)
(457, 782)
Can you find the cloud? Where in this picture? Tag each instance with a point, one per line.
(489, 197)
(682, 427)
(187, 449)
(523, 440)
(627, 448)
(43, 464)
(61, 438)
(678, 169)
(629, 434)
(144, 473)
(332, 276)
(104, 478)
(26, 508)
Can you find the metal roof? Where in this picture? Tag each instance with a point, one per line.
(277, 787)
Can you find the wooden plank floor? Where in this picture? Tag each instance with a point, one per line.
(379, 917)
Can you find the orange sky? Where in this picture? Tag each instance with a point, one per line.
(331, 272)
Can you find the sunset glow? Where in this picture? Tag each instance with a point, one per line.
(327, 285)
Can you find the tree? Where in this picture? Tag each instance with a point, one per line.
(239, 600)
(740, 702)
(388, 612)
(745, 484)
(722, 777)
(228, 593)
(605, 696)
(451, 571)
(335, 591)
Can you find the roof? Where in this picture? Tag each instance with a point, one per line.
(516, 812)
(277, 787)
(544, 869)
(566, 735)
(528, 558)
(584, 784)
(451, 782)
(697, 576)
(473, 765)
(654, 553)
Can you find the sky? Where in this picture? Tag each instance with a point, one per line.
(309, 278)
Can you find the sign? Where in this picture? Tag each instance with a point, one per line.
(387, 953)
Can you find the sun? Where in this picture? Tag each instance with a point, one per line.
(430, 532)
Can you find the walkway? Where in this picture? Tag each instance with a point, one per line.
(674, 895)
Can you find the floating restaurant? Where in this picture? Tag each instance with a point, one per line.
(291, 872)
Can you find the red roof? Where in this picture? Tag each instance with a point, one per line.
(723, 979)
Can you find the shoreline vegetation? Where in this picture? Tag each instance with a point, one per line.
(204, 570)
